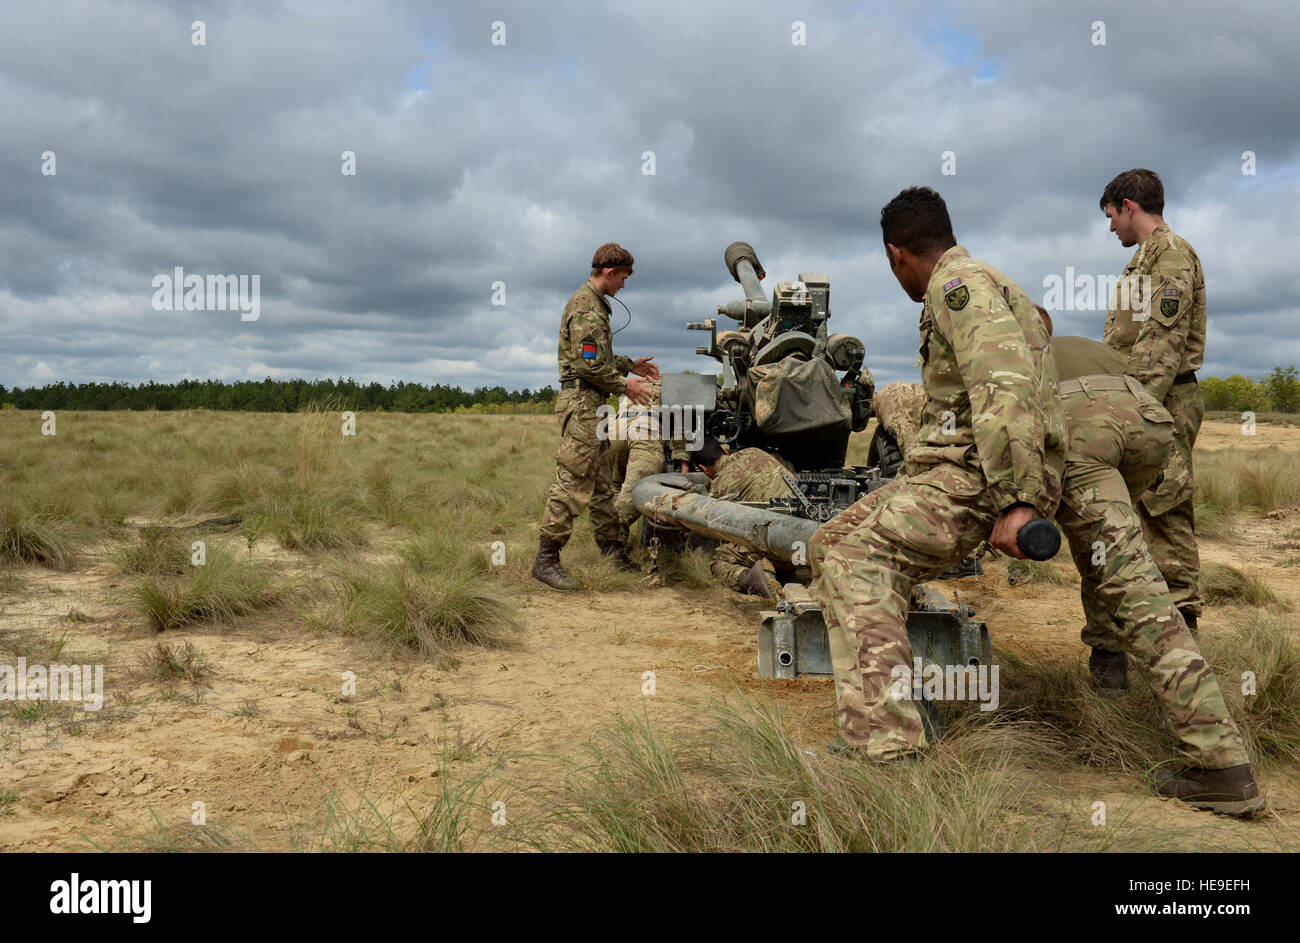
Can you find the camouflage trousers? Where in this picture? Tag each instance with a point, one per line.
(583, 475)
(644, 458)
(865, 563)
(1168, 515)
(1119, 441)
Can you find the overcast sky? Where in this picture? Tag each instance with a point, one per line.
(479, 163)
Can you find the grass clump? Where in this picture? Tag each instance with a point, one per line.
(1262, 480)
(1042, 571)
(225, 587)
(310, 521)
(688, 567)
(428, 612)
(181, 662)
(157, 550)
(27, 537)
(1226, 585)
(435, 598)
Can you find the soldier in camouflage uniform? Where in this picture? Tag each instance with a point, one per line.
(638, 452)
(1157, 322)
(988, 457)
(750, 475)
(898, 410)
(1120, 440)
(589, 372)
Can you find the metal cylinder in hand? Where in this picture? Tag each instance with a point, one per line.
(1039, 539)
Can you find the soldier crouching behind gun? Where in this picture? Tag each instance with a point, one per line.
(637, 451)
(589, 372)
(747, 476)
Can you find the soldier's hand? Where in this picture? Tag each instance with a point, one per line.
(637, 392)
(642, 367)
(1007, 526)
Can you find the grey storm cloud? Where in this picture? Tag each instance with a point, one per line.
(480, 163)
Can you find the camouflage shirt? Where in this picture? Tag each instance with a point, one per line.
(749, 475)
(991, 399)
(1159, 326)
(586, 344)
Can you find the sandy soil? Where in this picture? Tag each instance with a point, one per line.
(269, 734)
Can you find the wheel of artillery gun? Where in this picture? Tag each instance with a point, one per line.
(725, 426)
(884, 453)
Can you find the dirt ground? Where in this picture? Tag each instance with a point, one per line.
(270, 733)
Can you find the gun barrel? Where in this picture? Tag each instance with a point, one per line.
(742, 263)
(668, 498)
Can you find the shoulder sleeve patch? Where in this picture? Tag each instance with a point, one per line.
(957, 298)
(589, 347)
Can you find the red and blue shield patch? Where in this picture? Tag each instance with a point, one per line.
(588, 351)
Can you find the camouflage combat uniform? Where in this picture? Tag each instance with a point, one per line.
(1119, 440)
(898, 409)
(1161, 332)
(992, 435)
(589, 371)
(750, 475)
(637, 452)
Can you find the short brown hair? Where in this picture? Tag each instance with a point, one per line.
(1141, 186)
(611, 255)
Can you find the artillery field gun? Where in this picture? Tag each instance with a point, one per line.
(779, 391)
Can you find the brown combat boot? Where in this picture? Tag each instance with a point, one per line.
(547, 568)
(1189, 616)
(753, 582)
(1230, 791)
(617, 552)
(1109, 671)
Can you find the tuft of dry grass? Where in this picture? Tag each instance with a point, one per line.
(225, 587)
(181, 662)
(320, 442)
(1227, 585)
(156, 550)
(32, 537)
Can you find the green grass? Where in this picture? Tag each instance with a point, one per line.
(440, 594)
(310, 521)
(157, 551)
(226, 587)
(32, 537)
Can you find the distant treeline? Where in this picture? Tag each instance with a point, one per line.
(1277, 392)
(277, 396)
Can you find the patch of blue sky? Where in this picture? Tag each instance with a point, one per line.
(960, 48)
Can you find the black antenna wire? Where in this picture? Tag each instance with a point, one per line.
(625, 308)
